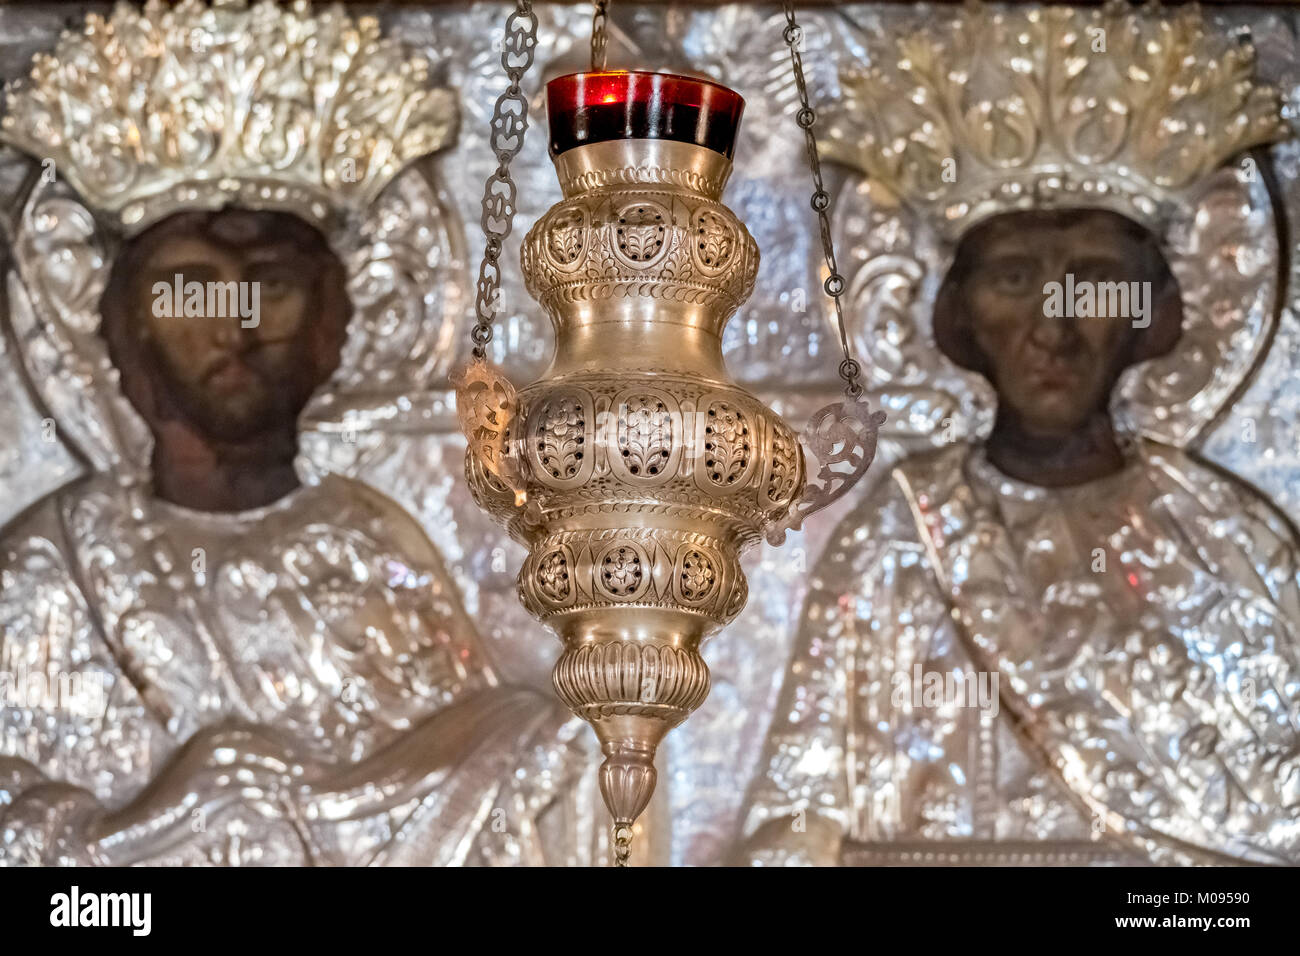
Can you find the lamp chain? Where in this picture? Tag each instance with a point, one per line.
(622, 844)
(509, 123)
(850, 370)
(598, 37)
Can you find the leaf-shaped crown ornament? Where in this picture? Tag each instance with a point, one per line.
(987, 111)
(161, 108)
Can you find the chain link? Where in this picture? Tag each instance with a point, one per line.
(598, 37)
(509, 123)
(850, 370)
(622, 844)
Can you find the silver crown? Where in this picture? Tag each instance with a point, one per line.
(164, 108)
(1118, 107)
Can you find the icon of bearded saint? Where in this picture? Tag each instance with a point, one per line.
(1138, 608)
(282, 671)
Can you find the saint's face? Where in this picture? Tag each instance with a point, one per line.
(236, 368)
(1053, 370)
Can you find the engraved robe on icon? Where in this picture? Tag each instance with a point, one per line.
(304, 669)
(1145, 631)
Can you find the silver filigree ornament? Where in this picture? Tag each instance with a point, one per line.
(160, 109)
(1136, 111)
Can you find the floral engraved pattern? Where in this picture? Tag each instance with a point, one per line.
(698, 576)
(715, 242)
(641, 232)
(553, 577)
(566, 237)
(278, 100)
(680, 249)
(621, 571)
(678, 570)
(785, 467)
(727, 446)
(645, 436)
(560, 443)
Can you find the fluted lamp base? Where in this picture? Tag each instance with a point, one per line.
(632, 689)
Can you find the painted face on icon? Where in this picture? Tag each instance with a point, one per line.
(1052, 306)
(227, 320)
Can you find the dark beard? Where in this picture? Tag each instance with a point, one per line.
(283, 398)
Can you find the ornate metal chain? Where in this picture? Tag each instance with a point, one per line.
(850, 370)
(622, 845)
(509, 123)
(598, 38)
